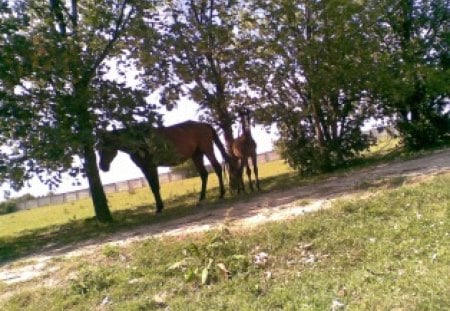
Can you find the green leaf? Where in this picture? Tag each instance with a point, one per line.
(205, 274)
(223, 270)
(177, 265)
(189, 276)
(193, 250)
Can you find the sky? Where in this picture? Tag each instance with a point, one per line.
(122, 168)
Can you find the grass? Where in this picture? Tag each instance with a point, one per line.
(52, 227)
(387, 252)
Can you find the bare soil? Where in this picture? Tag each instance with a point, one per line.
(270, 206)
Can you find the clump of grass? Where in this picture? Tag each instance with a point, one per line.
(389, 251)
(391, 182)
(217, 260)
(302, 202)
(111, 251)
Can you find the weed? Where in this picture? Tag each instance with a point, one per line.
(217, 260)
(111, 251)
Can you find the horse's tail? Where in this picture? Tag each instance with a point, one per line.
(220, 146)
(225, 156)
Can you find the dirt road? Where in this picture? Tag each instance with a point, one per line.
(273, 206)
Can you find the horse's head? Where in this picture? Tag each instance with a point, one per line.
(107, 152)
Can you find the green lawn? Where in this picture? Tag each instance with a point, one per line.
(188, 189)
(29, 230)
(24, 232)
(387, 252)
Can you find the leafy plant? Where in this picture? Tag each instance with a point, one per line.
(217, 260)
(90, 280)
(111, 251)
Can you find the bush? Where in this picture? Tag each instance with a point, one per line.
(187, 168)
(308, 158)
(10, 206)
(431, 129)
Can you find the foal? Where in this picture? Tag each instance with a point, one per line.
(244, 147)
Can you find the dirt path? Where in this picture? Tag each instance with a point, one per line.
(273, 206)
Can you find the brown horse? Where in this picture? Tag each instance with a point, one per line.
(150, 147)
(244, 147)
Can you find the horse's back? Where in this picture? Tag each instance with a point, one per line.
(189, 129)
(189, 136)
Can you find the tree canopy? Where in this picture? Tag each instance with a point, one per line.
(56, 95)
(319, 70)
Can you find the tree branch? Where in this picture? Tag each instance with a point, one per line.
(120, 25)
(55, 7)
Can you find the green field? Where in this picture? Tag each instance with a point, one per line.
(188, 189)
(387, 252)
(25, 232)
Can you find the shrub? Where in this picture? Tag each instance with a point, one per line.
(429, 129)
(10, 206)
(305, 155)
(187, 168)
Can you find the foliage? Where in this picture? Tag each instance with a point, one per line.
(10, 205)
(432, 129)
(187, 168)
(199, 54)
(414, 72)
(54, 109)
(313, 66)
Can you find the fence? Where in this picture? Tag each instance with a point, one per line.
(127, 185)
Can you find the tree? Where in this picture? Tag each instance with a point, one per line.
(415, 73)
(54, 109)
(313, 64)
(199, 54)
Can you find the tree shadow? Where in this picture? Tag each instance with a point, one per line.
(58, 239)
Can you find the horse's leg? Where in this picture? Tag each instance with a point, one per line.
(241, 184)
(218, 170)
(153, 180)
(198, 161)
(151, 174)
(249, 174)
(255, 169)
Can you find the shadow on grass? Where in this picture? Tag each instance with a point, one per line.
(75, 233)
(58, 239)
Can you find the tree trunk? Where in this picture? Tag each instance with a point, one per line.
(226, 123)
(229, 139)
(101, 209)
